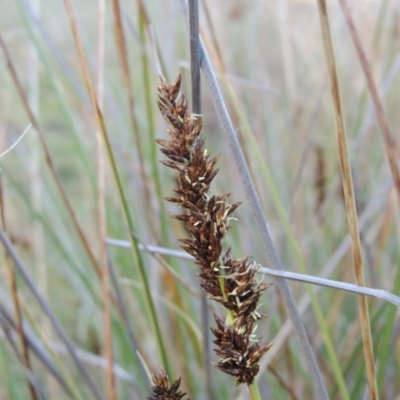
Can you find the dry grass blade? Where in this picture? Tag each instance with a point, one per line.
(380, 113)
(349, 197)
(255, 204)
(112, 395)
(123, 56)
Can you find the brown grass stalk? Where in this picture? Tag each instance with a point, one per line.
(112, 395)
(123, 57)
(380, 113)
(15, 298)
(349, 196)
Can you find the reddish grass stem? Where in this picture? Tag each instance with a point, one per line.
(348, 189)
(112, 395)
(390, 145)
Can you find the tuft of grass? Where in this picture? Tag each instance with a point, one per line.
(146, 307)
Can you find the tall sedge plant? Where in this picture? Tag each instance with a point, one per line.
(230, 282)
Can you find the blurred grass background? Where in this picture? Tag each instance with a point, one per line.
(270, 61)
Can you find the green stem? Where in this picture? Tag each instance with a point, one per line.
(231, 315)
(151, 129)
(254, 391)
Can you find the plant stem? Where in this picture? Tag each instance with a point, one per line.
(254, 391)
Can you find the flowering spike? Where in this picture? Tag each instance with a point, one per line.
(163, 390)
(231, 283)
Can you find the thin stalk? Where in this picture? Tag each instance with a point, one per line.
(314, 280)
(112, 395)
(349, 197)
(390, 145)
(195, 62)
(118, 182)
(143, 20)
(254, 391)
(255, 204)
(124, 61)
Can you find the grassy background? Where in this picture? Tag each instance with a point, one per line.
(273, 74)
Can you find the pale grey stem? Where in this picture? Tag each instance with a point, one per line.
(46, 309)
(149, 248)
(96, 361)
(315, 280)
(348, 287)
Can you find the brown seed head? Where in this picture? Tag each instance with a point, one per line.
(162, 390)
(207, 219)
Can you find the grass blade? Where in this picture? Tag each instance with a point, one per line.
(108, 339)
(349, 196)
